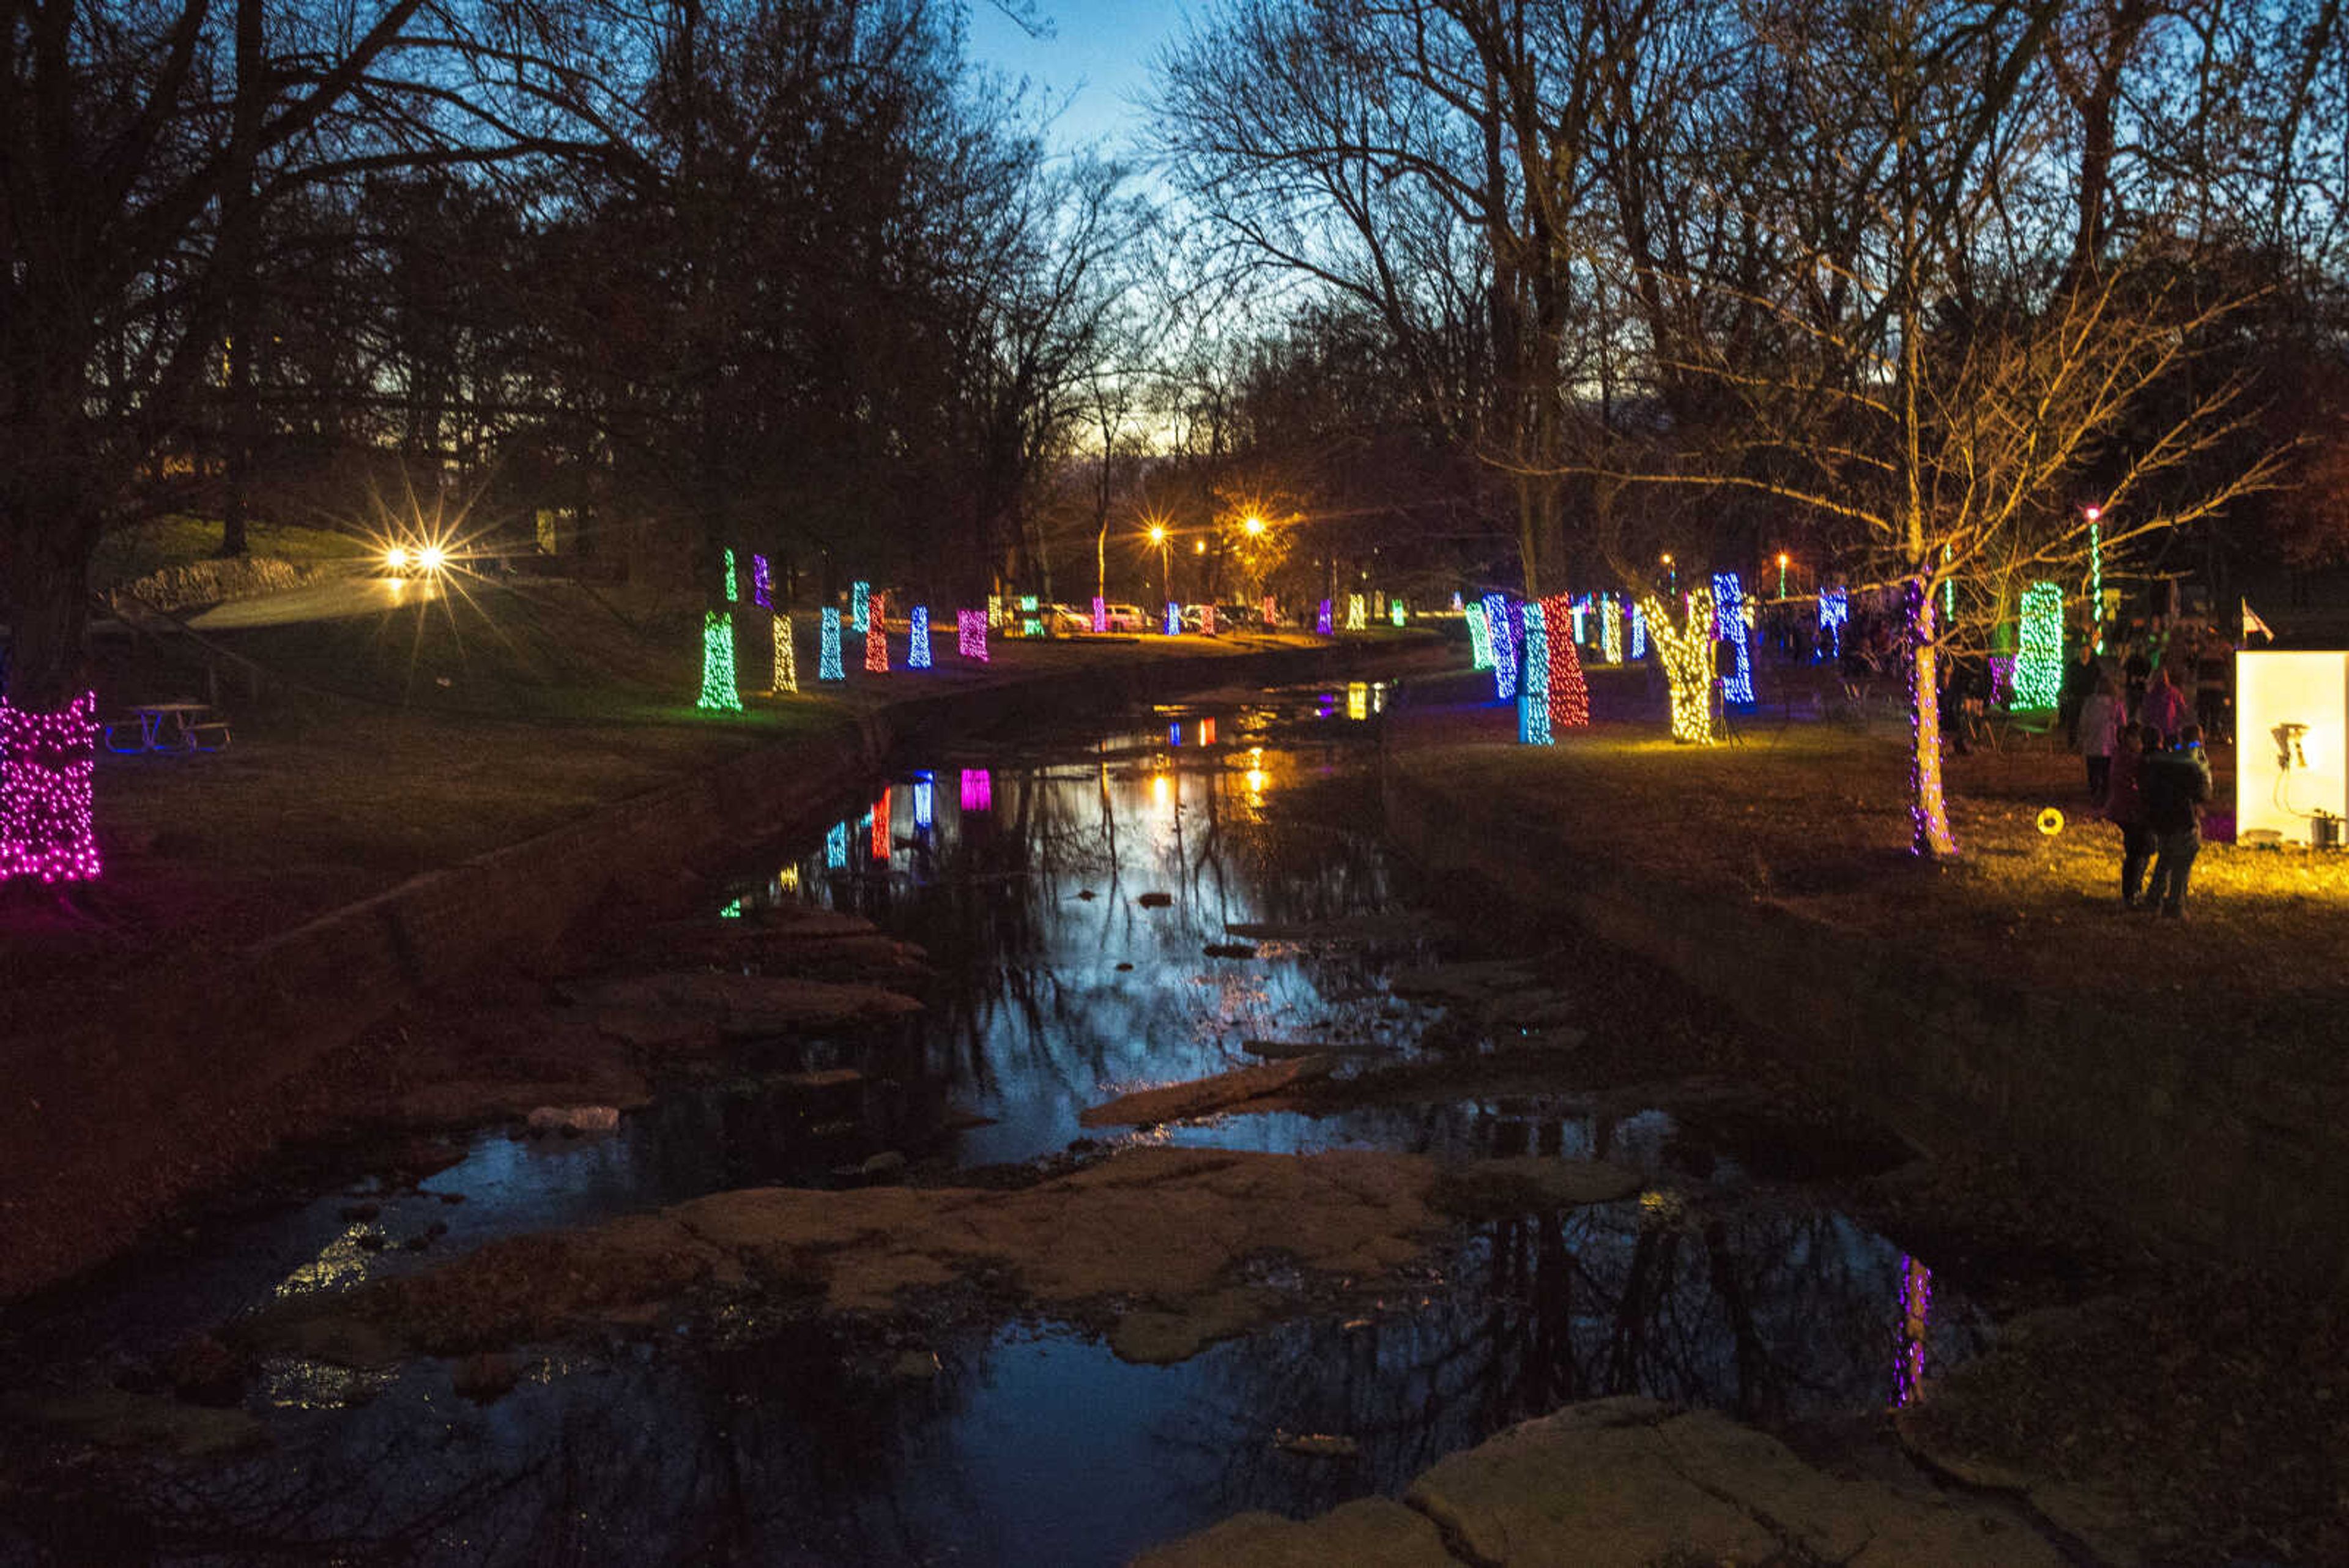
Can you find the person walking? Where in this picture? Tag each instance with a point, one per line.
(2099, 726)
(2124, 809)
(2164, 712)
(2175, 784)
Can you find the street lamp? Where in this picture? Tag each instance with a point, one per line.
(1165, 569)
(1782, 574)
(1666, 561)
(2096, 573)
(1252, 526)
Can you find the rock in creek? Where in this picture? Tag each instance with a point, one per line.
(1202, 1096)
(747, 1004)
(1295, 1050)
(1627, 1483)
(1151, 1242)
(1476, 982)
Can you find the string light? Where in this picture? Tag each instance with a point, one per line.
(917, 641)
(1610, 630)
(1686, 653)
(1321, 621)
(47, 761)
(1835, 608)
(2096, 573)
(762, 586)
(787, 664)
(1639, 632)
(1100, 614)
(835, 847)
(1480, 637)
(828, 663)
(1207, 620)
(2001, 679)
(1174, 618)
(731, 594)
(1394, 612)
(881, 825)
(1358, 613)
(925, 803)
(1358, 700)
(970, 635)
(2039, 665)
(1729, 610)
(1929, 814)
(978, 790)
(1207, 729)
(860, 605)
(1455, 599)
(1569, 693)
(1270, 610)
(1915, 1314)
(1576, 611)
(1533, 700)
(718, 693)
(994, 611)
(877, 637)
(1501, 625)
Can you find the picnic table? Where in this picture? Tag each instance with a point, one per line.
(169, 728)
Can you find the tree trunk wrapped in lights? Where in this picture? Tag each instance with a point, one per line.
(718, 694)
(876, 639)
(1611, 628)
(1569, 693)
(1929, 811)
(827, 666)
(970, 634)
(1358, 613)
(2039, 661)
(1480, 637)
(45, 762)
(860, 605)
(1532, 697)
(917, 640)
(787, 662)
(1686, 653)
(1501, 626)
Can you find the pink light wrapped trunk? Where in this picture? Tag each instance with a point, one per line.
(45, 764)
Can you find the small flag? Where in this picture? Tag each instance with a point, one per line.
(2252, 623)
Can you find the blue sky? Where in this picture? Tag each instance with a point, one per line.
(1099, 52)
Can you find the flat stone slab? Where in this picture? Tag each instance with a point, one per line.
(1401, 926)
(1627, 1483)
(1202, 1096)
(1478, 982)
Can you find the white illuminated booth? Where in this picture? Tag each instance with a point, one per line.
(2291, 743)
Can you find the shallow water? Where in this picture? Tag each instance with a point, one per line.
(1724, 1286)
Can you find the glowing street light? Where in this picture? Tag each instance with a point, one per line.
(1782, 574)
(1252, 526)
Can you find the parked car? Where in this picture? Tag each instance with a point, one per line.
(1127, 617)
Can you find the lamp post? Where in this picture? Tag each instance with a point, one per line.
(1675, 572)
(1782, 574)
(2096, 573)
(1166, 567)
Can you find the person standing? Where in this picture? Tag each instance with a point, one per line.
(2125, 808)
(2099, 725)
(2134, 668)
(2175, 784)
(2079, 683)
(2163, 712)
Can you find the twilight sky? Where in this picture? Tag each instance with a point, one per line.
(1100, 53)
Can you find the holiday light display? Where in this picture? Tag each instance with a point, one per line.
(2097, 572)
(762, 586)
(994, 611)
(1207, 620)
(827, 666)
(1321, 621)
(731, 593)
(787, 663)
(1358, 613)
(1394, 612)
(1174, 618)
(1729, 610)
(2039, 663)
(1270, 610)
(2001, 679)
(1577, 609)
(860, 605)
(925, 802)
(1207, 729)
(45, 764)
(718, 693)
(835, 847)
(970, 635)
(1480, 638)
(876, 638)
(1686, 653)
(1610, 630)
(1532, 698)
(1835, 608)
(978, 790)
(1455, 602)
(881, 824)
(1569, 693)
(1358, 700)
(917, 640)
(1639, 632)
(1503, 628)
(1100, 613)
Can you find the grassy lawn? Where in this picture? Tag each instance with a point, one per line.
(1813, 816)
(132, 553)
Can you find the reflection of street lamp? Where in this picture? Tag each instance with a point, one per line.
(1782, 574)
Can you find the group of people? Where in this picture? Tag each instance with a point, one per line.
(2146, 768)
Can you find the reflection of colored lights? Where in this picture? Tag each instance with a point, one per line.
(876, 639)
(787, 880)
(835, 847)
(881, 825)
(978, 790)
(762, 585)
(1161, 790)
(1358, 700)
(922, 803)
(1174, 733)
(1207, 732)
(917, 645)
(1916, 1311)
(1256, 781)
